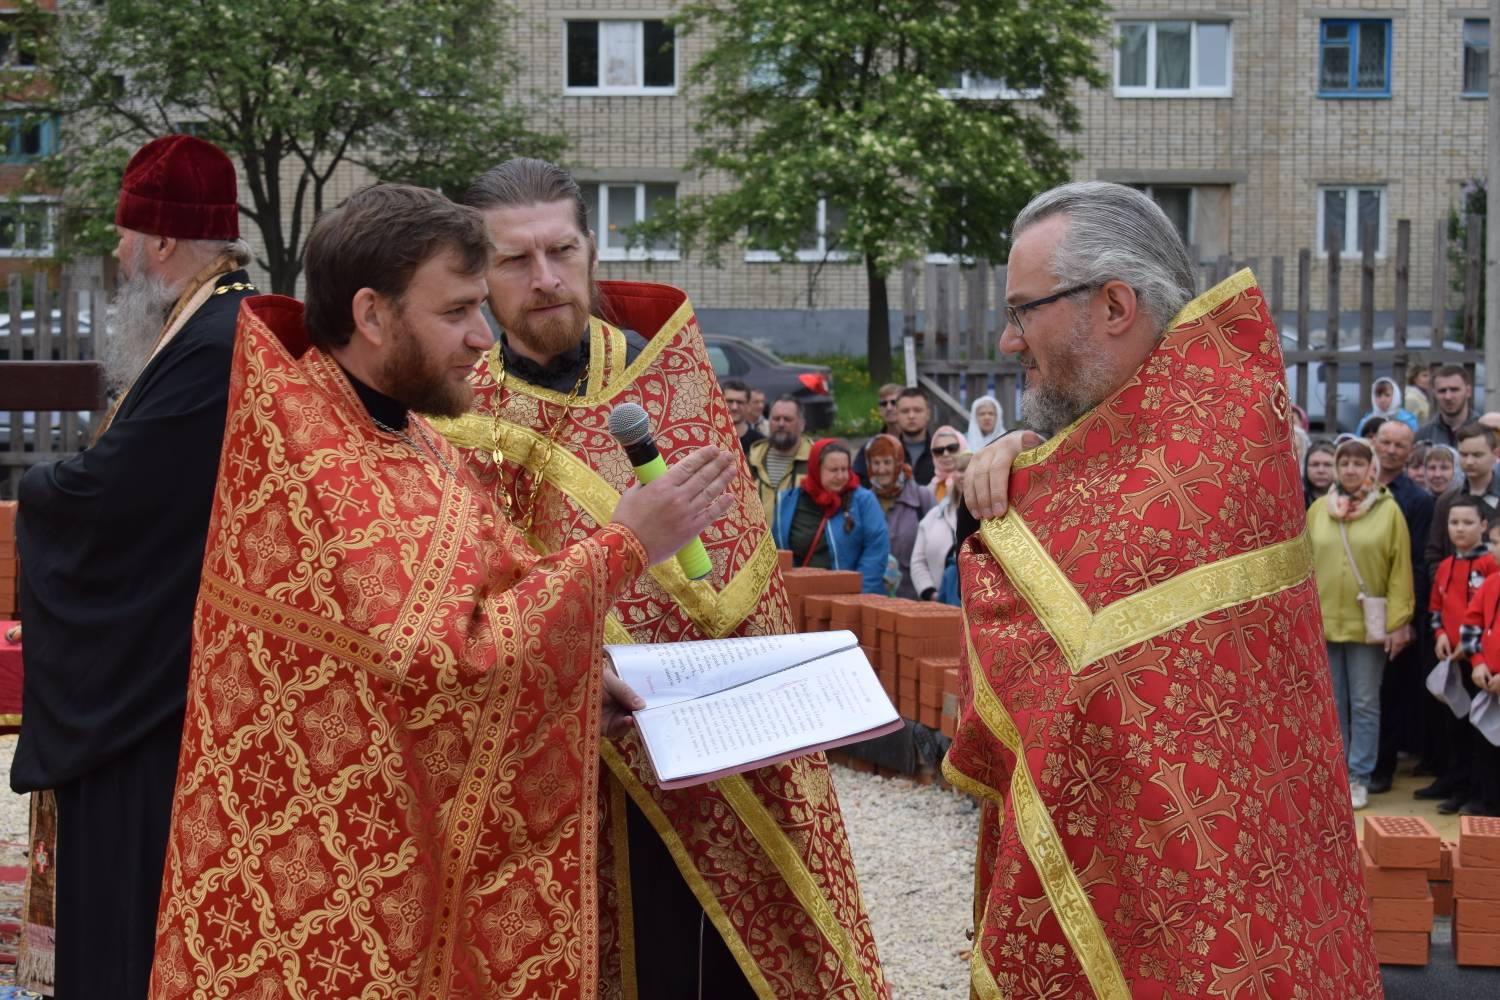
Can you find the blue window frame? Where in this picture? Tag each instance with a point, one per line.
(1354, 58)
(27, 138)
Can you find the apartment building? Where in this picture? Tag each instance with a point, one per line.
(1258, 125)
(27, 221)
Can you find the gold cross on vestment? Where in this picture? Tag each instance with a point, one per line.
(1174, 487)
(1189, 816)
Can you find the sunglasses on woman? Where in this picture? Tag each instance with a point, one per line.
(944, 449)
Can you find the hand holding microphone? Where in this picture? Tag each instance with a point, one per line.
(671, 505)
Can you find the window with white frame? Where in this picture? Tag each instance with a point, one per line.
(1173, 59)
(621, 57)
(1199, 212)
(820, 239)
(27, 226)
(617, 207)
(1476, 57)
(973, 87)
(1345, 212)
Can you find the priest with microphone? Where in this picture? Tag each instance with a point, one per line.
(699, 888)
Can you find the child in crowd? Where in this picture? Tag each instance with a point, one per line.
(1481, 640)
(1454, 583)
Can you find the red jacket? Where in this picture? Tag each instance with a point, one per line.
(1454, 585)
(1482, 615)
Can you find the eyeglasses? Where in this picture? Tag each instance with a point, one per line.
(1013, 313)
(940, 450)
(890, 402)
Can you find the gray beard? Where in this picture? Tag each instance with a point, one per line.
(1048, 408)
(136, 316)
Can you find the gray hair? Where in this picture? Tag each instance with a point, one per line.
(237, 250)
(1116, 233)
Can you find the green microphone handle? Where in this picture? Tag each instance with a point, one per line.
(692, 557)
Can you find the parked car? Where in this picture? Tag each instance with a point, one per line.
(759, 368)
(1352, 404)
(28, 333)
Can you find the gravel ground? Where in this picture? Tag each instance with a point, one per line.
(15, 810)
(913, 847)
(914, 852)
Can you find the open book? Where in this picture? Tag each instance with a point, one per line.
(718, 707)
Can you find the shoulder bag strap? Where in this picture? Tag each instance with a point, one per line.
(1344, 534)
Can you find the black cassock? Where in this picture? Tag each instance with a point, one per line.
(112, 544)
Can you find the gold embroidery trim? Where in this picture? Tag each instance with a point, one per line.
(624, 898)
(655, 345)
(289, 623)
(1085, 637)
(968, 785)
(690, 874)
(1236, 284)
(715, 613)
(1070, 904)
(980, 976)
(753, 813)
(421, 605)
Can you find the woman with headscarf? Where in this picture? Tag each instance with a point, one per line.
(904, 502)
(936, 536)
(1385, 402)
(1439, 467)
(1317, 471)
(984, 422)
(947, 442)
(829, 521)
(1361, 550)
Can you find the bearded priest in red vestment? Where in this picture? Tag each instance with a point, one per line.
(1149, 720)
(386, 787)
(756, 867)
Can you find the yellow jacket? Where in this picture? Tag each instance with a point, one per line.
(1382, 550)
(769, 490)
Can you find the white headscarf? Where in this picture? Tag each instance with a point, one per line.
(974, 437)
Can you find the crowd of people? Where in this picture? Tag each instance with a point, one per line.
(887, 510)
(1402, 518)
(315, 676)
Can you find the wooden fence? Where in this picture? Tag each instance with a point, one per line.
(48, 359)
(952, 345)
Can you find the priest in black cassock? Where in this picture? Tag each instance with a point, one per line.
(112, 540)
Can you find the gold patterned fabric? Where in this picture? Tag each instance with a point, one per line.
(1148, 717)
(764, 853)
(386, 786)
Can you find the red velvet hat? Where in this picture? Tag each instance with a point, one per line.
(180, 186)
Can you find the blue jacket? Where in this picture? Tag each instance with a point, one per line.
(865, 548)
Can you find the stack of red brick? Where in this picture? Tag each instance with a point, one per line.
(914, 646)
(1399, 852)
(9, 568)
(1476, 892)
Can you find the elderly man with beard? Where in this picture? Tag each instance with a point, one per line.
(1149, 716)
(113, 544)
(701, 888)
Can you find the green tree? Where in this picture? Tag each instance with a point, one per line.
(861, 104)
(411, 90)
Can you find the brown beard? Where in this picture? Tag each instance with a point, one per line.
(556, 334)
(412, 378)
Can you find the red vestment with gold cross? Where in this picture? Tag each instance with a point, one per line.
(1149, 718)
(764, 853)
(386, 784)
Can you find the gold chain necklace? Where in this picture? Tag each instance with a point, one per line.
(538, 474)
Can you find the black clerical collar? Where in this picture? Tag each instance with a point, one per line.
(560, 374)
(384, 409)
